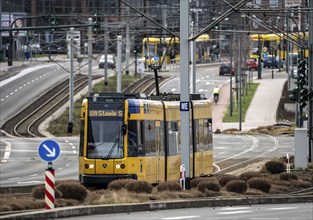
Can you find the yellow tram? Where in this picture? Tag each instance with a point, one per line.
(138, 137)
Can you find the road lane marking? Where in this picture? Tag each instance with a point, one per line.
(14, 178)
(30, 182)
(7, 151)
(182, 217)
(234, 212)
(282, 208)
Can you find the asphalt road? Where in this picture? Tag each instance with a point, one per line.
(24, 166)
(21, 165)
(297, 211)
(23, 88)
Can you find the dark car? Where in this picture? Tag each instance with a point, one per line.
(110, 61)
(226, 68)
(251, 64)
(272, 62)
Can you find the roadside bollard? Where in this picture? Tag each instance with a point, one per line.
(182, 179)
(49, 191)
(288, 163)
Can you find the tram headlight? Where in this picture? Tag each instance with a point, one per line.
(91, 166)
(122, 166)
(104, 165)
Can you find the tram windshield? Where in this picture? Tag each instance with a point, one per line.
(105, 134)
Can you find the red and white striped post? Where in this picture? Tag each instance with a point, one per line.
(49, 192)
(182, 175)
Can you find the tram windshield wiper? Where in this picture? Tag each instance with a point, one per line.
(113, 146)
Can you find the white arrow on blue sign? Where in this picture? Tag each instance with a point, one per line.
(49, 150)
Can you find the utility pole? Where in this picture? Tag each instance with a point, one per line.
(196, 29)
(119, 64)
(127, 52)
(90, 56)
(259, 58)
(106, 38)
(71, 82)
(240, 84)
(184, 89)
(310, 82)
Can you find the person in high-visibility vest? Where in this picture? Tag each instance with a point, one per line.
(216, 92)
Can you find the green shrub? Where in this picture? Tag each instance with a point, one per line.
(194, 182)
(259, 183)
(275, 167)
(38, 192)
(169, 186)
(237, 186)
(249, 174)
(72, 190)
(119, 184)
(203, 186)
(225, 179)
(139, 187)
(288, 176)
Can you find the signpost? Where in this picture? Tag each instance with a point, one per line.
(49, 150)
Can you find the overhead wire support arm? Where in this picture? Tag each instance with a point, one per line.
(151, 20)
(221, 18)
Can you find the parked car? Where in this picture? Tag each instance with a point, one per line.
(226, 68)
(271, 61)
(110, 61)
(251, 64)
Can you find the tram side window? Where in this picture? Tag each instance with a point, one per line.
(82, 138)
(208, 140)
(173, 144)
(197, 133)
(150, 138)
(132, 138)
(162, 138)
(141, 138)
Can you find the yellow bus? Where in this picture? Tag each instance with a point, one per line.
(153, 49)
(130, 136)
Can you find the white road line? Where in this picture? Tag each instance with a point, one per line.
(61, 168)
(32, 175)
(181, 217)
(234, 208)
(67, 165)
(2, 100)
(29, 182)
(7, 151)
(231, 213)
(283, 208)
(14, 178)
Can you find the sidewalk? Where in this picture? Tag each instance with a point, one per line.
(263, 107)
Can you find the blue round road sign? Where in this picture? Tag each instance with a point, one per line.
(49, 150)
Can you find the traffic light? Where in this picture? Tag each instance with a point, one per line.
(96, 22)
(303, 97)
(216, 27)
(301, 79)
(293, 94)
(53, 24)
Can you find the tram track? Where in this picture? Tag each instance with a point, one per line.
(241, 161)
(25, 123)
